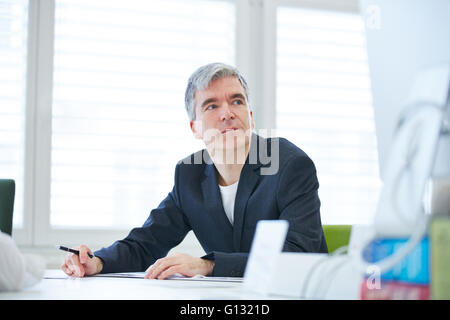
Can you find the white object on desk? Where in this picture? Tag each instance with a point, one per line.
(360, 236)
(17, 271)
(266, 248)
(316, 276)
(301, 275)
(293, 273)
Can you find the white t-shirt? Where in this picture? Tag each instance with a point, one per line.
(228, 194)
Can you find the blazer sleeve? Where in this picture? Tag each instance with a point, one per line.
(227, 264)
(165, 228)
(299, 204)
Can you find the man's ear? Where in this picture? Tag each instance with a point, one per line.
(196, 128)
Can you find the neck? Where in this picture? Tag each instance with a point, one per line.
(229, 163)
(227, 174)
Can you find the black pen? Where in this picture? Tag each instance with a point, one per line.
(73, 251)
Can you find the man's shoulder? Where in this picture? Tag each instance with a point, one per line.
(199, 158)
(287, 149)
(278, 154)
(194, 163)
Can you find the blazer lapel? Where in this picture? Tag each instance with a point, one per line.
(213, 199)
(247, 183)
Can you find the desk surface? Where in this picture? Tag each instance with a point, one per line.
(62, 287)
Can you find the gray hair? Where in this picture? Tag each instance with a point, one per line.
(201, 79)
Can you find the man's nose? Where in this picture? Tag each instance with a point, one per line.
(227, 113)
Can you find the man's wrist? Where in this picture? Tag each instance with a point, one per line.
(209, 266)
(99, 265)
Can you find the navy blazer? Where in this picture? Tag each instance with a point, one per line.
(195, 204)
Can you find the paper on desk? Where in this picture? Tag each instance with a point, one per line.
(176, 276)
(204, 278)
(121, 275)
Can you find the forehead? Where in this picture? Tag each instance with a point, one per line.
(219, 87)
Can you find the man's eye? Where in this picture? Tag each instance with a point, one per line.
(211, 107)
(238, 102)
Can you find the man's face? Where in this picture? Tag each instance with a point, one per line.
(223, 118)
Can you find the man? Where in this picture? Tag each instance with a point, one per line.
(220, 193)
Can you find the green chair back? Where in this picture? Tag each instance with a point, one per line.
(7, 191)
(337, 236)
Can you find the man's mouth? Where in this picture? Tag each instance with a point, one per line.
(228, 130)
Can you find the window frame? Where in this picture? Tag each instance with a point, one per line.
(345, 6)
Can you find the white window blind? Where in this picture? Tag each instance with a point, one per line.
(324, 106)
(13, 57)
(118, 120)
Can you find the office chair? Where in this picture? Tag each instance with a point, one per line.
(7, 192)
(337, 236)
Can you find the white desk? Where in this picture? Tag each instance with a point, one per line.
(102, 288)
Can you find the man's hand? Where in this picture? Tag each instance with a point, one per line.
(82, 265)
(179, 263)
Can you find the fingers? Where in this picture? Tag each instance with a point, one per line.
(84, 250)
(66, 269)
(178, 263)
(76, 266)
(72, 265)
(155, 271)
(170, 271)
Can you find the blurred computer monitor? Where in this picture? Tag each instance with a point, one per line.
(403, 38)
(409, 61)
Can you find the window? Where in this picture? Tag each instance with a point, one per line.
(324, 106)
(118, 120)
(13, 57)
(92, 119)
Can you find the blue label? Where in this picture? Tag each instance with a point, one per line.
(413, 268)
